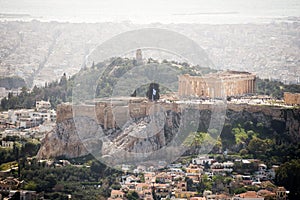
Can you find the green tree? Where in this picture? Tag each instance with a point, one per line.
(259, 147)
(239, 190)
(31, 185)
(227, 136)
(195, 139)
(132, 195)
(205, 184)
(4, 103)
(288, 175)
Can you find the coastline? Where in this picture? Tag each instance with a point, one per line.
(208, 18)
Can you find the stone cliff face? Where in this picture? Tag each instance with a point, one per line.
(292, 123)
(62, 141)
(78, 136)
(283, 121)
(142, 135)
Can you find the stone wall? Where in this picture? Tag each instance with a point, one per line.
(63, 112)
(274, 111)
(113, 113)
(292, 98)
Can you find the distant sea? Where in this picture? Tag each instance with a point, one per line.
(152, 11)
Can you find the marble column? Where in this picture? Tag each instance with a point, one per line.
(249, 86)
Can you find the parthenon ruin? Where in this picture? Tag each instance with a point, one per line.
(217, 85)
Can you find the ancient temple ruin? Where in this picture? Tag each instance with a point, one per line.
(217, 85)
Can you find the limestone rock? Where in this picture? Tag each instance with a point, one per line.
(81, 135)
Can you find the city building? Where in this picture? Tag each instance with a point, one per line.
(249, 195)
(7, 144)
(10, 183)
(281, 193)
(46, 105)
(24, 194)
(115, 194)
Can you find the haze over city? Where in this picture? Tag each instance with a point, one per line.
(166, 11)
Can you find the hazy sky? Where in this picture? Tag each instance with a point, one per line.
(150, 10)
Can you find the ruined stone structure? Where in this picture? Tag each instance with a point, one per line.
(111, 113)
(292, 98)
(218, 85)
(139, 57)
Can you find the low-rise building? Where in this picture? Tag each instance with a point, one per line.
(184, 194)
(7, 144)
(218, 168)
(202, 160)
(9, 184)
(42, 105)
(24, 194)
(281, 193)
(249, 195)
(162, 190)
(149, 177)
(27, 118)
(115, 194)
(266, 194)
(208, 195)
(194, 172)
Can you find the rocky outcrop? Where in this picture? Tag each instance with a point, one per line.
(62, 141)
(74, 137)
(292, 123)
(81, 135)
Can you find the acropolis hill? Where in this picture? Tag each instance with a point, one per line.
(111, 114)
(217, 85)
(117, 123)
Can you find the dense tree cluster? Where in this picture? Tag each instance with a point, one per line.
(22, 148)
(93, 182)
(275, 88)
(249, 139)
(255, 140)
(56, 92)
(288, 175)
